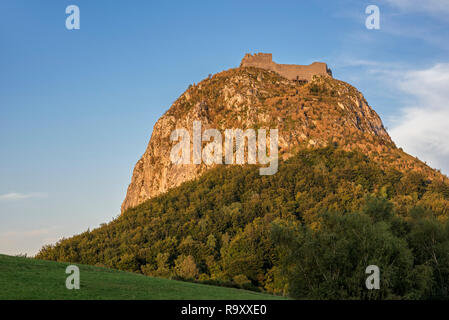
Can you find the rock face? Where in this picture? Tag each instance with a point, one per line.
(318, 113)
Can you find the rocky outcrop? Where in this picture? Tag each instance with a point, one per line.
(324, 111)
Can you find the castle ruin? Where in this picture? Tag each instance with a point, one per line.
(290, 71)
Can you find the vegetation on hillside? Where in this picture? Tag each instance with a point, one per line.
(308, 231)
(329, 260)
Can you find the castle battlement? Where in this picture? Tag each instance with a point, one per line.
(289, 71)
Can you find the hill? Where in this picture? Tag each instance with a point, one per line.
(322, 112)
(218, 228)
(342, 189)
(25, 278)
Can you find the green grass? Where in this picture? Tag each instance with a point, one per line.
(25, 278)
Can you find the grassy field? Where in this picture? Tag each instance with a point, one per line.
(25, 278)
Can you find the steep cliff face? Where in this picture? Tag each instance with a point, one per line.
(322, 112)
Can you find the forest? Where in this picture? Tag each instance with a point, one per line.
(308, 231)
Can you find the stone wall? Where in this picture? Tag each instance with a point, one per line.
(289, 71)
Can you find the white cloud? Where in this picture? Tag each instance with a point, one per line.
(422, 128)
(28, 241)
(435, 7)
(14, 196)
(373, 66)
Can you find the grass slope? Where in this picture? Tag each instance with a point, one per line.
(25, 278)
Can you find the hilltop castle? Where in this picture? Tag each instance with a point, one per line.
(289, 71)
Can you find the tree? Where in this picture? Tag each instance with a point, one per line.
(329, 261)
(185, 267)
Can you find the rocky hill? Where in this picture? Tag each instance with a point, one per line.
(318, 113)
(308, 231)
(344, 197)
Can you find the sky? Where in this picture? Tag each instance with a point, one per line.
(77, 107)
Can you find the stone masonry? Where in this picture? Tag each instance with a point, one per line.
(289, 71)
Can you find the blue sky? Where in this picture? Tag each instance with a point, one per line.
(77, 107)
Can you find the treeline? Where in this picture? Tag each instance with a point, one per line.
(235, 227)
(329, 260)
